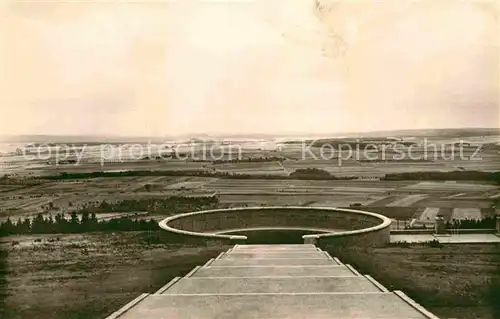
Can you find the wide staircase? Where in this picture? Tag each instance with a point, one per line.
(273, 281)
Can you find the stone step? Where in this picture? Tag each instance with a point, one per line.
(272, 285)
(274, 248)
(274, 255)
(273, 262)
(276, 306)
(307, 250)
(272, 271)
(277, 246)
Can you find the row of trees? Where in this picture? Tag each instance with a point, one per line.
(250, 160)
(485, 223)
(196, 173)
(316, 174)
(169, 205)
(443, 176)
(298, 174)
(306, 174)
(74, 224)
(85, 219)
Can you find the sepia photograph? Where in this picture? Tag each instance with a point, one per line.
(247, 159)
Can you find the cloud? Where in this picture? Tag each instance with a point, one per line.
(158, 68)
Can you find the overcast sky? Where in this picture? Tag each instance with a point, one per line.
(264, 66)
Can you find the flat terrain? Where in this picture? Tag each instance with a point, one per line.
(402, 200)
(91, 275)
(430, 153)
(455, 281)
(420, 201)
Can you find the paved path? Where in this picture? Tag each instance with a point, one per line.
(273, 281)
(429, 213)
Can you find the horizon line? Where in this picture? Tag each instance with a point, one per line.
(228, 134)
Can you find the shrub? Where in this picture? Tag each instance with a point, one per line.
(403, 244)
(435, 243)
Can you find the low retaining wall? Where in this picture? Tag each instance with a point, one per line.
(274, 235)
(471, 231)
(363, 228)
(413, 232)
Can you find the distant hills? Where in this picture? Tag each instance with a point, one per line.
(447, 132)
(80, 139)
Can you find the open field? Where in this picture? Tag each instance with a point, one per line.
(436, 152)
(408, 200)
(448, 186)
(396, 199)
(91, 275)
(455, 281)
